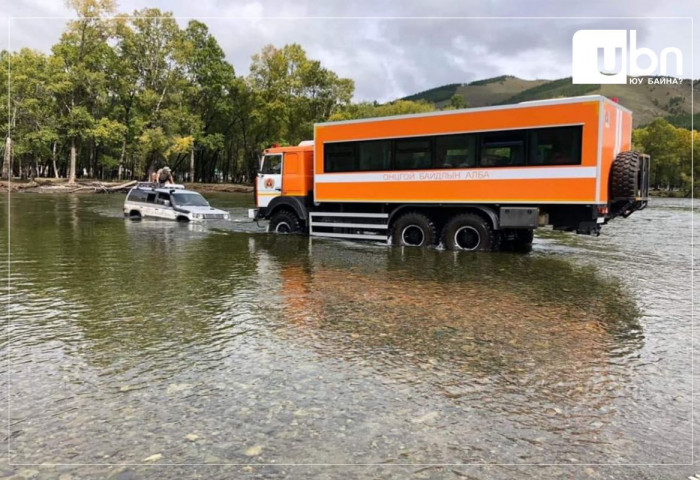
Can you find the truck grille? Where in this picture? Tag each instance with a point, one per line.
(212, 216)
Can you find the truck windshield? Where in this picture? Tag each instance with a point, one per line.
(189, 199)
(272, 164)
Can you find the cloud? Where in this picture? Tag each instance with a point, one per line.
(391, 58)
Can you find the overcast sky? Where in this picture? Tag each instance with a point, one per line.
(392, 57)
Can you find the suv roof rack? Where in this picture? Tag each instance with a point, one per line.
(154, 185)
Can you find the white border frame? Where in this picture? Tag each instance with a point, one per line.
(517, 464)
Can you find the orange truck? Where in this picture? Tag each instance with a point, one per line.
(471, 179)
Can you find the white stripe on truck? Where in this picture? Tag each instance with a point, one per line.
(526, 173)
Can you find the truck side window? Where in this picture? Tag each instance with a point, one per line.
(555, 146)
(455, 151)
(272, 164)
(502, 149)
(151, 198)
(413, 154)
(374, 155)
(339, 157)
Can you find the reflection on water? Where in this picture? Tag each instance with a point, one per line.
(128, 336)
(512, 310)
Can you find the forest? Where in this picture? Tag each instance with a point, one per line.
(121, 95)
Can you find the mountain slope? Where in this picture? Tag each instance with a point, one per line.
(647, 101)
(479, 93)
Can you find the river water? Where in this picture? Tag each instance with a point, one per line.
(149, 349)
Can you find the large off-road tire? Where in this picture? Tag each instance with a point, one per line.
(470, 232)
(414, 229)
(624, 174)
(285, 222)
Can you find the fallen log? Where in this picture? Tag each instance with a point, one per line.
(82, 188)
(101, 188)
(17, 186)
(118, 188)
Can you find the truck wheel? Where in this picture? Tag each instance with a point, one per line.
(414, 230)
(469, 232)
(284, 221)
(623, 175)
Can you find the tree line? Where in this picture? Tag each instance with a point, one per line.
(122, 95)
(670, 148)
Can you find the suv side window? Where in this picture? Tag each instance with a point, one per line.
(162, 198)
(137, 196)
(151, 198)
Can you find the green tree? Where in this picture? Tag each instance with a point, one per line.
(370, 110)
(207, 80)
(5, 127)
(79, 82)
(150, 91)
(154, 144)
(695, 138)
(31, 121)
(243, 129)
(664, 143)
(35, 108)
(458, 101)
(123, 86)
(293, 92)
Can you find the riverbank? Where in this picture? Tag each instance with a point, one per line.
(61, 185)
(669, 194)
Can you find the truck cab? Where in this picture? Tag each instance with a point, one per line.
(284, 180)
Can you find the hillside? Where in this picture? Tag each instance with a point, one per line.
(647, 101)
(480, 93)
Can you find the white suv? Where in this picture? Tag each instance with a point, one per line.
(171, 202)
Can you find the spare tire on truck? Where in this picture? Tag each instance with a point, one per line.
(629, 183)
(624, 175)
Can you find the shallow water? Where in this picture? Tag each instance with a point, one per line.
(124, 337)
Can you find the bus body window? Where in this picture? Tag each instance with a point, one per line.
(555, 146)
(413, 154)
(339, 157)
(455, 151)
(502, 149)
(374, 155)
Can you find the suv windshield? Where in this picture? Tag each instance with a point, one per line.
(189, 199)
